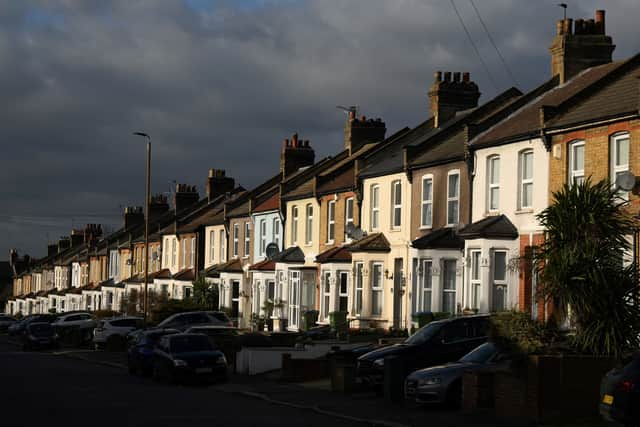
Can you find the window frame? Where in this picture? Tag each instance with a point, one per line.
(426, 202)
(491, 167)
(358, 287)
(294, 225)
(212, 245)
(174, 252)
(375, 207)
(263, 237)
(575, 173)
(614, 169)
(497, 283)
(183, 258)
(331, 221)
(247, 239)
(475, 283)
(222, 249)
(522, 180)
(422, 284)
(308, 227)
(379, 289)
(455, 199)
(348, 219)
(396, 208)
(192, 253)
(326, 294)
(236, 242)
(276, 231)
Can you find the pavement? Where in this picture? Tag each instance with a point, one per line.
(85, 385)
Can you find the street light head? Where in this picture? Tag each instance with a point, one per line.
(141, 134)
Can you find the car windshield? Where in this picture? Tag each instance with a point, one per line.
(41, 330)
(480, 354)
(190, 343)
(424, 334)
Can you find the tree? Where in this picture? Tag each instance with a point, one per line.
(204, 293)
(581, 266)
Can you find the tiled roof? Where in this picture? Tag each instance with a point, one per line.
(212, 271)
(335, 254)
(375, 242)
(211, 217)
(240, 210)
(233, 266)
(526, 121)
(271, 203)
(290, 255)
(491, 227)
(444, 238)
(265, 265)
(165, 273)
(186, 275)
(340, 181)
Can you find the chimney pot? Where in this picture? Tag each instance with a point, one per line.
(568, 26)
(591, 27)
(456, 77)
(363, 119)
(560, 27)
(465, 77)
(579, 27)
(352, 114)
(437, 76)
(600, 20)
(294, 140)
(447, 76)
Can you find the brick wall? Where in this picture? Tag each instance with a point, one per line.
(339, 218)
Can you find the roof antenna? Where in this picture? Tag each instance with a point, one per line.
(564, 7)
(352, 109)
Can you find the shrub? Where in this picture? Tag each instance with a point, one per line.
(517, 332)
(173, 306)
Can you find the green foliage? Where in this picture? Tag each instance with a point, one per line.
(173, 306)
(205, 294)
(581, 266)
(131, 303)
(517, 332)
(104, 314)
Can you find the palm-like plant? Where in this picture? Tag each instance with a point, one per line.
(587, 228)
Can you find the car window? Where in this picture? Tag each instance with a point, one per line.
(197, 318)
(481, 354)
(479, 327)
(84, 317)
(219, 316)
(424, 334)
(456, 331)
(72, 318)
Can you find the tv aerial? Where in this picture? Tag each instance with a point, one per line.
(352, 109)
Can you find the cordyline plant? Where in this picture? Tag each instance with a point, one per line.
(581, 266)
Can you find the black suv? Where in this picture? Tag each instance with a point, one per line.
(433, 344)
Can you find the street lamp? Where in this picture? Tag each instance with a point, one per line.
(146, 226)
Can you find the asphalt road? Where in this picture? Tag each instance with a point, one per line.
(56, 390)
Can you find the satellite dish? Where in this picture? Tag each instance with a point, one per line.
(626, 181)
(272, 250)
(154, 256)
(354, 232)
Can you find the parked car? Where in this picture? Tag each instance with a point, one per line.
(81, 320)
(620, 393)
(6, 321)
(18, 328)
(112, 332)
(39, 335)
(184, 321)
(434, 344)
(443, 383)
(185, 356)
(140, 349)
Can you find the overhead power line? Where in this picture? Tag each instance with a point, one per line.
(473, 44)
(493, 43)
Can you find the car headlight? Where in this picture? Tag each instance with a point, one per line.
(429, 381)
(379, 363)
(179, 362)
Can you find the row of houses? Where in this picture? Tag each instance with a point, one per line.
(440, 216)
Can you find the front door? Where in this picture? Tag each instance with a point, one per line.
(343, 291)
(294, 299)
(397, 293)
(235, 299)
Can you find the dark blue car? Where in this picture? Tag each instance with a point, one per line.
(140, 349)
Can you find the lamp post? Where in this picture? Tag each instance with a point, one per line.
(146, 226)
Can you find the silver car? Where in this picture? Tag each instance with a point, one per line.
(443, 384)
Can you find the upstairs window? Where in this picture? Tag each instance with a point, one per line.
(576, 162)
(331, 221)
(493, 183)
(619, 158)
(453, 198)
(396, 204)
(263, 236)
(223, 247)
(183, 255)
(294, 225)
(192, 256)
(247, 238)
(375, 207)
(276, 231)
(348, 215)
(308, 232)
(212, 244)
(174, 251)
(427, 202)
(236, 231)
(525, 162)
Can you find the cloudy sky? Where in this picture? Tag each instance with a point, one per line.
(221, 83)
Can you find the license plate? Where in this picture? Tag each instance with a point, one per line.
(203, 370)
(607, 399)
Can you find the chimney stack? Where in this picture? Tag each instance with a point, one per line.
(64, 243)
(218, 183)
(133, 216)
(52, 249)
(185, 196)
(77, 238)
(578, 47)
(92, 232)
(158, 206)
(447, 97)
(296, 153)
(359, 132)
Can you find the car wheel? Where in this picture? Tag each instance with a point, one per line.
(454, 395)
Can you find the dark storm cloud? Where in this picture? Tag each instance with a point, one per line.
(219, 84)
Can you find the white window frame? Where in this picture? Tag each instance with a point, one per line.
(342, 294)
(614, 168)
(475, 281)
(247, 239)
(326, 295)
(263, 236)
(396, 205)
(426, 203)
(523, 181)
(496, 283)
(377, 286)
(192, 255)
(375, 206)
(348, 218)
(166, 253)
(491, 185)
(212, 244)
(183, 258)
(575, 174)
(308, 228)
(236, 242)
(174, 252)
(294, 225)
(445, 290)
(276, 231)
(426, 286)
(223, 252)
(331, 221)
(358, 284)
(453, 199)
